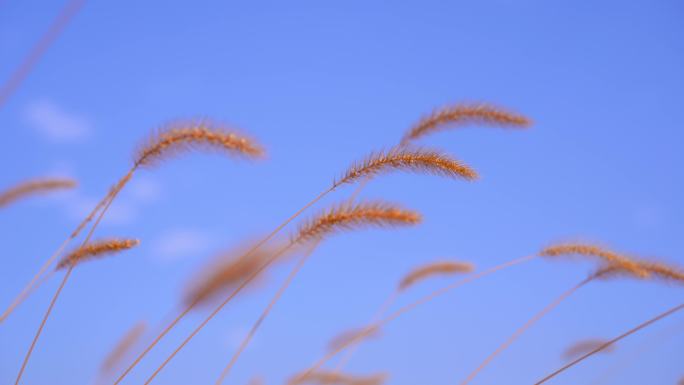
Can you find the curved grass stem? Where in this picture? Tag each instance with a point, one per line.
(231, 296)
(112, 195)
(293, 273)
(409, 307)
(659, 317)
(524, 328)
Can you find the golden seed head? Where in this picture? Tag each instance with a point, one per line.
(125, 344)
(348, 216)
(197, 135)
(33, 187)
(96, 249)
(404, 159)
(609, 257)
(462, 114)
(231, 268)
(325, 377)
(432, 269)
(352, 336)
(585, 346)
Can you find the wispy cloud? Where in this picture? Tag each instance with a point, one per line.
(55, 124)
(180, 243)
(144, 189)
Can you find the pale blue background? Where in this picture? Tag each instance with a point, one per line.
(321, 84)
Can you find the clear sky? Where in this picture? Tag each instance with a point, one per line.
(321, 84)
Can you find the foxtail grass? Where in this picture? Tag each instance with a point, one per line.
(324, 377)
(34, 187)
(531, 322)
(85, 252)
(343, 217)
(420, 273)
(583, 346)
(439, 268)
(124, 345)
(374, 165)
(410, 307)
(462, 114)
(167, 142)
(611, 342)
(220, 276)
(96, 249)
(612, 265)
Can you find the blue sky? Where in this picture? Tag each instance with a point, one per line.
(321, 84)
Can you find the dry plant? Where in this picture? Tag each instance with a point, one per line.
(83, 253)
(609, 257)
(581, 347)
(353, 335)
(256, 381)
(166, 142)
(413, 160)
(611, 342)
(439, 268)
(612, 264)
(347, 216)
(375, 164)
(329, 378)
(457, 115)
(396, 314)
(450, 116)
(341, 217)
(34, 187)
(202, 136)
(633, 356)
(96, 249)
(226, 273)
(232, 276)
(461, 114)
(420, 273)
(354, 338)
(124, 346)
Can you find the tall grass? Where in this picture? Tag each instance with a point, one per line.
(239, 269)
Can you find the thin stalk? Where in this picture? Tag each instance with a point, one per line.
(17, 77)
(295, 270)
(156, 340)
(66, 278)
(31, 286)
(247, 254)
(216, 311)
(28, 289)
(524, 328)
(376, 317)
(614, 340)
(355, 194)
(629, 361)
(410, 307)
(26, 293)
(42, 324)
